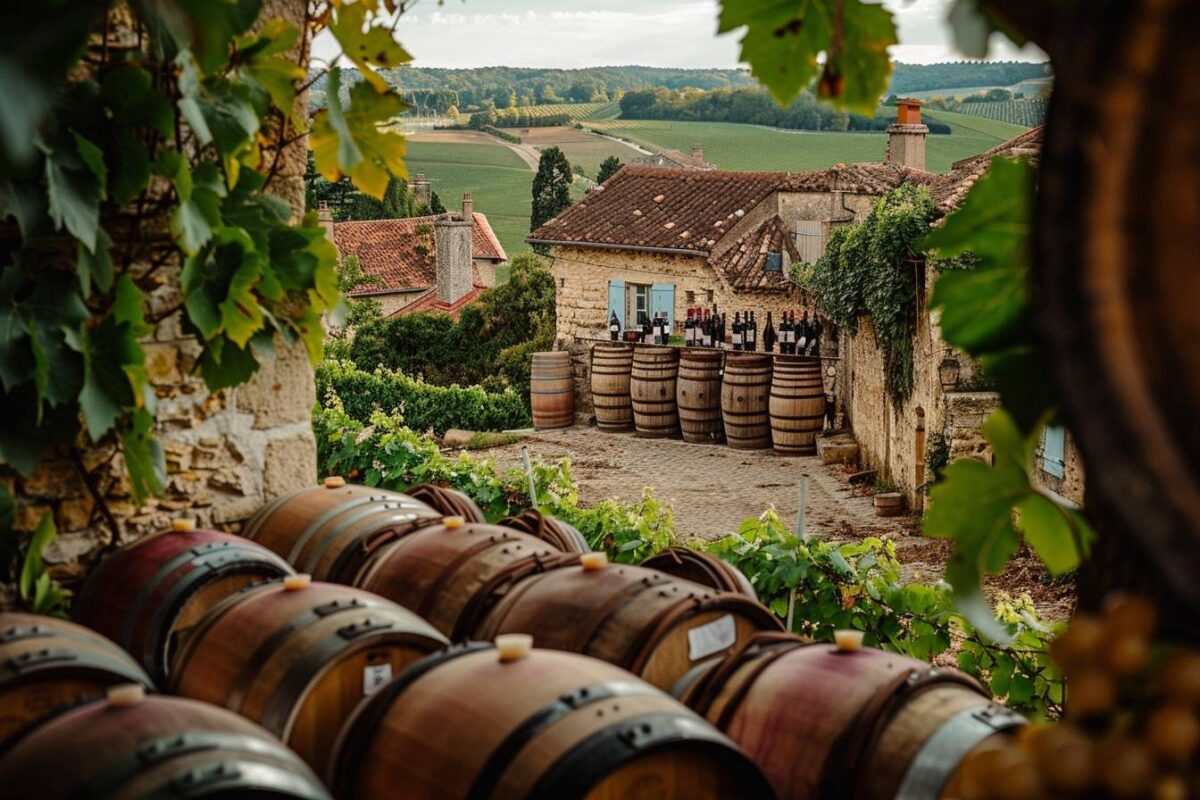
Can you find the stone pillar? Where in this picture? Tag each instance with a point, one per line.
(581, 360)
(906, 138)
(452, 240)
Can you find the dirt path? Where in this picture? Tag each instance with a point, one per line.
(529, 154)
(712, 489)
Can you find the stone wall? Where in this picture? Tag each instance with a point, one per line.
(1070, 486)
(227, 452)
(964, 415)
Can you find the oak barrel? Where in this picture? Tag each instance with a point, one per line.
(797, 405)
(612, 365)
(702, 568)
(652, 390)
(148, 592)
(828, 724)
(744, 392)
(451, 576)
(47, 664)
(698, 395)
(153, 747)
(449, 502)
(652, 624)
(549, 725)
(328, 531)
(545, 527)
(298, 660)
(552, 390)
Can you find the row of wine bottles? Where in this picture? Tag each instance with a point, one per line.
(705, 327)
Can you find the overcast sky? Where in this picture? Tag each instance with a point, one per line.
(659, 33)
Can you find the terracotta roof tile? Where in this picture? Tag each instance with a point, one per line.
(400, 256)
(429, 302)
(950, 189)
(625, 211)
(742, 265)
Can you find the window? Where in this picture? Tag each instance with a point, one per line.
(774, 262)
(691, 297)
(1054, 441)
(710, 295)
(637, 303)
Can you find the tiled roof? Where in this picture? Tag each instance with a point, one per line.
(666, 158)
(429, 302)
(403, 257)
(742, 265)
(950, 189)
(863, 178)
(666, 209)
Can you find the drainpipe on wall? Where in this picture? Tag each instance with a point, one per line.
(919, 443)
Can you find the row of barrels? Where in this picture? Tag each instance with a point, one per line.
(385, 690)
(750, 401)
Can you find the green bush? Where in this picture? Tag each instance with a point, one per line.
(422, 406)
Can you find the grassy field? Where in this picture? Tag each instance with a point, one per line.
(495, 176)
(580, 147)
(1029, 88)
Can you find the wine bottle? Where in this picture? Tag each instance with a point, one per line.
(666, 327)
(769, 335)
(752, 333)
(814, 336)
(802, 338)
(785, 333)
(706, 331)
(738, 331)
(614, 327)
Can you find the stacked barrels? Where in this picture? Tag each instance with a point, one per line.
(605, 680)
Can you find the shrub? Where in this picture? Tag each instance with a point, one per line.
(421, 405)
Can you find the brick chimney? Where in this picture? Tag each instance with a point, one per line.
(468, 207)
(452, 241)
(698, 151)
(906, 137)
(421, 189)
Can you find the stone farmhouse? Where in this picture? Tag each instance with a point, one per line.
(674, 159)
(663, 240)
(433, 263)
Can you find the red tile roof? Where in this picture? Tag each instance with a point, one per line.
(679, 210)
(950, 189)
(429, 302)
(401, 252)
(742, 265)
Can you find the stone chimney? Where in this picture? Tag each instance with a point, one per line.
(698, 151)
(421, 189)
(468, 208)
(452, 240)
(325, 219)
(906, 137)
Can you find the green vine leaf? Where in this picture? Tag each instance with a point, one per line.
(274, 74)
(95, 267)
(144, 458)
(784, 38)
(32, 566)
(365, 44)
(73, 189)
(352, 141)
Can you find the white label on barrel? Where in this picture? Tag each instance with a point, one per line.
(712, 637)
(374, 677)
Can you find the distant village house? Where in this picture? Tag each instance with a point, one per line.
(674, 159)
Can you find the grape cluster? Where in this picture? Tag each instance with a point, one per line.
(1132, 722)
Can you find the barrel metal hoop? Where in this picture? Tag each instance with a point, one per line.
(353, 518)
(514, 742)
(134, 616)
(255, 523)
(448, 571)
(935, 761)
(325, 517)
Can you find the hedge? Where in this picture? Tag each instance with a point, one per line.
(423, 406)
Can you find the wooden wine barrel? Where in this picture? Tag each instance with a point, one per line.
(796, 406)
(297, 660)
(744, 392)
(553, 531)
(452, 576)
(828, 724)
(329, 531)
(462, 723)
(552, 390)
(155, 747)
(702, 568)
(612, 365)
(1116, 240)
(448, 502)
(653, 625)
(698, 395)
(652, 390)
(47, 664)
(148, 593)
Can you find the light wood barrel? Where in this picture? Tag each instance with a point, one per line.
(298, 662)
(446, 501)
(553, 531)
(552, 390)
(827, 724)
(797, 406)
(452, 576)
(653, 625)
(698, 395)
(151, 591)
(158, 747)
(702, 568)
(47, 664)
(652, 390)
(744, 393)
(462, 723)
(612, 365)
(329, 531)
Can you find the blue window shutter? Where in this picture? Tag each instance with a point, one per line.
(1054, 451)
(616, 303)
(662, 298)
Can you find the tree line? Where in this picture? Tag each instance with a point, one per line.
(928, 77)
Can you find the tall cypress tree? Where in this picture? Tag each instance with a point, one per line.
(551, 187)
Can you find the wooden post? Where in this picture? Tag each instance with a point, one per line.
(533, 501)
(802, 535)
(919, 444)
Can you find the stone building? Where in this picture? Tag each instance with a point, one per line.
(434, 263)
(674, 159)
(227, 452)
